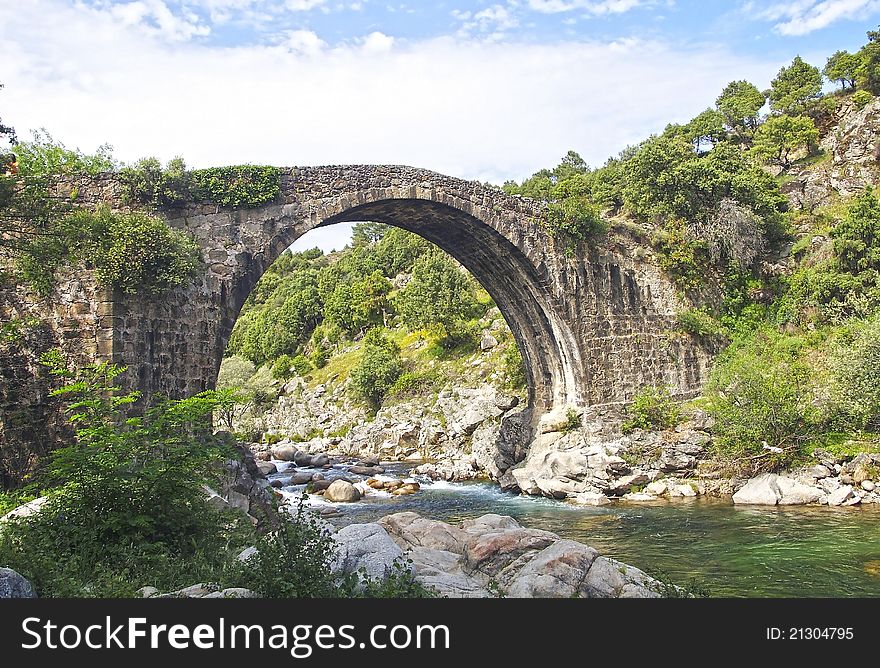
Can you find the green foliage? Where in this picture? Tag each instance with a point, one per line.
(235, 186)
(740, 104)
(862, 99)
(378, 369)
(364, 234)
(572, 210)
(46, 156)
(572, 421)
(868, 72)
(574, 197)
(132, 252)
(666, 178)
(235, 371)
(846, 284)
(292, 561)
(360, 304)
(857, 236)
(761, 391)
(843, 68)
(514, 368)
(795, 88)
(779, 136)
(125, 506)
(438, 293)
(855, 364)
(700, 323)
(282, 367)
(652, 408)
(682, 257)
(136, 252)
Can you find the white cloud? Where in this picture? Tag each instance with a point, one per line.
(302, 5)
(304, 42)
(596, 7)
(377, 42)
(465, 107)
(800, 17)
(155, 17)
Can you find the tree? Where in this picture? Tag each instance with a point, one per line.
(706, 129)
(857, 236)
(795, 88)
(7, 132)
(843, 67)
(868, 72)
(740, 103)
(379, 368)
(570, 165)
(438, 293)
(779, 136)
(364, 234)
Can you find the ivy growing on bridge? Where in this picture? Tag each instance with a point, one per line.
(234, 186)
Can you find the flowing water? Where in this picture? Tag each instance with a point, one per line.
(729, 550)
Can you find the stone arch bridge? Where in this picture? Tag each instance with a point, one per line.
(593, 325)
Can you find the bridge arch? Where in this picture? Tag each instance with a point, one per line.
(453, 223)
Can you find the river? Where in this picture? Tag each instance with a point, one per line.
(732, 551)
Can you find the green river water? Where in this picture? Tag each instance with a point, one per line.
(732, 551)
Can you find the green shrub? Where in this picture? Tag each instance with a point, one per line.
(684, 259)
(855, 364)
(652, 407)
(514, 368)
(572, 421)
(761, 391)
(379, 368)
(415, 383)
(438, 293)
(235, 186)
(295, 559)
(698, 322)
(301, 364)
(862, 98)
(125, 504)
(282, 368)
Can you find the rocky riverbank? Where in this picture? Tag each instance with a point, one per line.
(471, 433)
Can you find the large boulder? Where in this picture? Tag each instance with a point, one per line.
(14, 585)
(341, 491)
(366, 548)
(770, 489)
(493, 555)
(285, 453)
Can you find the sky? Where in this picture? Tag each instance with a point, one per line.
(475, 89)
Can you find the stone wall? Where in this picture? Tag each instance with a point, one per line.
(72, 319)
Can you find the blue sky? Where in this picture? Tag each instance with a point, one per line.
(480, 90)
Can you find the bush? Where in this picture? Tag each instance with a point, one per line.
(514, 368)
(761, 391)
(282, 368)
(652, 407)
(125, 506)
(379, 368)
(855, 364)
(438, 293)
(234, 186)
(698, 322)
(862, 99)
(292, 561)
